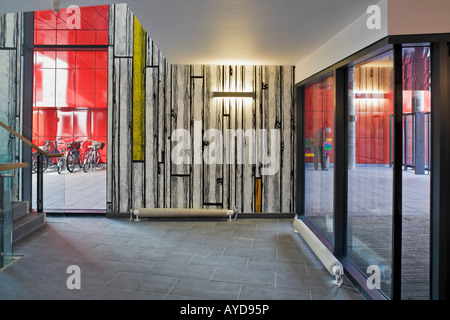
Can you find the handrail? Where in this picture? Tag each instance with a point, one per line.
(12, 166)
(31, 144)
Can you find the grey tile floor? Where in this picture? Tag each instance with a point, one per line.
(246, 259)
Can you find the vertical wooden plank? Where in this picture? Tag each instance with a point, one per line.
(258, 115)
(235, 143)
(258, 195)
(287, 107)
(197, 70)
(270, 145)
(115, 137)
(212, 150)
(251, 81)
(181, 118)
(197, 98)
(151, 163)
(180, 191)
(160, 185)
(161, 107)
(167, 133)
(138, 144)
(240, 160)
(149, 51)
(156, 54)
(8, 30)
(162, 74)
(138, 187)
(123, 47)
(125, 99)
(111, 25)
(228, 156)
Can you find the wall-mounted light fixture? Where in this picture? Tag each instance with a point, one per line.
(217, 94)
(372, 95)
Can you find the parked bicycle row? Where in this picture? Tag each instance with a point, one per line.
(90, 160)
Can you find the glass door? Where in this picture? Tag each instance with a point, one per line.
(370, 173)
(416, 176)
(319, 155)
(70, 105)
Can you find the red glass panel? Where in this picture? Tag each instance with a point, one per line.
(45, 19)
(85, 60)
(65, 59)
(65, 123)
(101, 59)
(98, 123)
(80, 123)
(74, 26)
(70, 85)
(101, 88)
(102, 37)
(86, 37)
(65, 85)
(66, 37)
(47, 122)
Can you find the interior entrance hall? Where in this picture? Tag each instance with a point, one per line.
(230, 159)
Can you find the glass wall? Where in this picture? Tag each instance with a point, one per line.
(319, 154)
(416, 174)
(370, 173)
(70, 98)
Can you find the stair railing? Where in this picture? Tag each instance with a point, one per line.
(39, 170)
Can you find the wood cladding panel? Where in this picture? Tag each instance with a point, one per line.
(124, 100)
(151, 126)
(249, 147)
(197, 91)
(287, 142)
(123, 31)
(139, 92)
(270, 141)
(181, 119)
(212, 138)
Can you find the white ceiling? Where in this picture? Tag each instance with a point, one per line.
(267, 32)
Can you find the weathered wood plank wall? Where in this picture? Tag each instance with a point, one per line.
(11, 39)
(221, 156)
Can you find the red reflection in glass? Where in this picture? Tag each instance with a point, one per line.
(86, 26)
(70, 86)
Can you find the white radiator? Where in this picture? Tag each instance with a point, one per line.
(330, 262)
(180, 213)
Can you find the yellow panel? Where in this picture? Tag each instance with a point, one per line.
(139, 92)
(258, 195)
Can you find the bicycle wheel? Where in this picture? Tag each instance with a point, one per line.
(96, 159)
(61, 164)
(34, 163)
(86, 163)
(70, 162)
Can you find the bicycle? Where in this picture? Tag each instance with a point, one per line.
(49, 147)
(73, 155)
(92, 157)
(61, 161)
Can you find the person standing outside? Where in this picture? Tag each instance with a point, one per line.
(320, 138)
